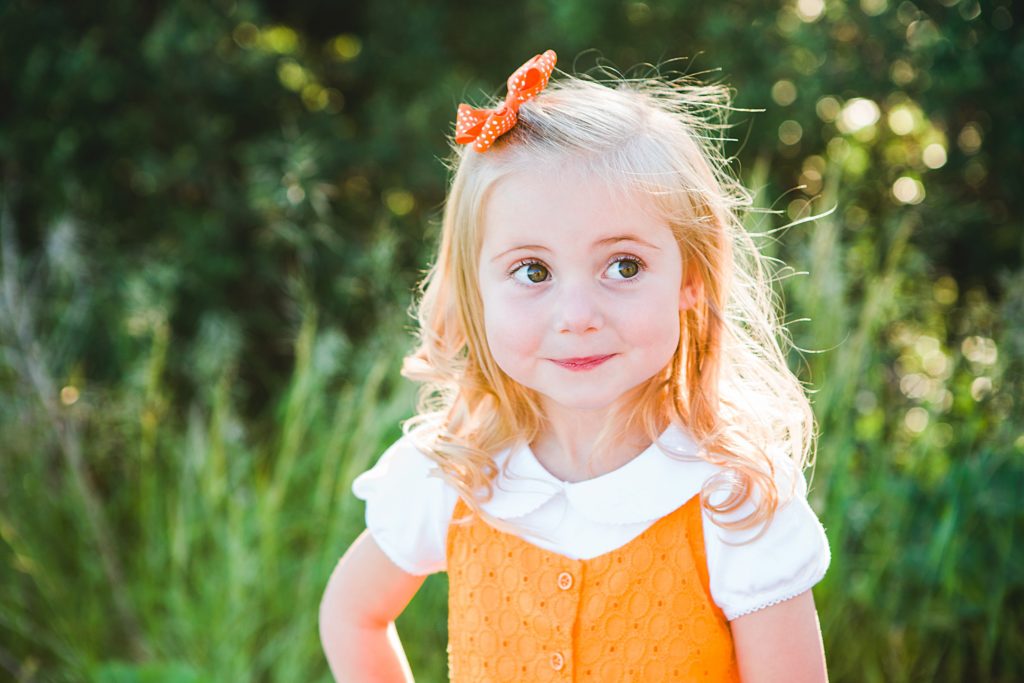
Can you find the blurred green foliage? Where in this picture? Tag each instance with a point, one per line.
(213, 215)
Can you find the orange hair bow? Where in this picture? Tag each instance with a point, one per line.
(483, 126)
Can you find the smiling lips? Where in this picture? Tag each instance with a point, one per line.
(579, 364)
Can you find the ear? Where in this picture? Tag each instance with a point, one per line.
(691, 292)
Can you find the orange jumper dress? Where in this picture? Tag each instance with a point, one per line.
(642, 612)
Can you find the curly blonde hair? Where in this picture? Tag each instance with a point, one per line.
(728, 383)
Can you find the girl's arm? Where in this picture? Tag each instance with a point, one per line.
(364, 596)
(781, 643)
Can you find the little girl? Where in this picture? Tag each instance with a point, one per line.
(608, 454)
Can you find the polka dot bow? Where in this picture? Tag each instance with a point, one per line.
(483, 126)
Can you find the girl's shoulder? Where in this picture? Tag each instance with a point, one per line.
(750, 569)
(408, 508)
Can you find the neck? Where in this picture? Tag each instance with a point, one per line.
(567, 446)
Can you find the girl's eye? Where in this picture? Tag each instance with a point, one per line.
(624, 268)
(531, 273)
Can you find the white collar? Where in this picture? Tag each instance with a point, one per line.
(648, 487)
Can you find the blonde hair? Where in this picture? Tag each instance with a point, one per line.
(728, 382)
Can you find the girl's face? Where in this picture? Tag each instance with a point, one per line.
(581, 287)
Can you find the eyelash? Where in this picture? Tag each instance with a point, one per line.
(614, 259)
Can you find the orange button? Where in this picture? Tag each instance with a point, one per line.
(557, 661)
(565, 581)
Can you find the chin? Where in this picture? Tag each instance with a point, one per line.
(581, 402)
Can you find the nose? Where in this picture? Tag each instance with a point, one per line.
(579, 310)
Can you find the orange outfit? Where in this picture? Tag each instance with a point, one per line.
(641, 612)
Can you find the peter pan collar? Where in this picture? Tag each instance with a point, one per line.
(648, 487)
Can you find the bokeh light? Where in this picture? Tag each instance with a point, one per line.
(784, 92)
(873, 8)
(827, 108)
(400, 202)
(916, 419)
(901, 120)
(280, 39)
(969, 139)
(901, 72)
(908, 190)
(68, 395)
(857, 114)
(934, 156)
(980, 350)
(346, 47)
(810, 10)
(790, 132)
(291, 75)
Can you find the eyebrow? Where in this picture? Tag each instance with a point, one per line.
(522, 247)
(602, 242)
(627, 238)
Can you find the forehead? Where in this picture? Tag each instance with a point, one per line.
(563, 202)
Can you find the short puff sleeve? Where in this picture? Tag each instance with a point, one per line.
(790, 557)
(407, 510)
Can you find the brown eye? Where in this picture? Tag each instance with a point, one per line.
(531, 273)
(623, 269)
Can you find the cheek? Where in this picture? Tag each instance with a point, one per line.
(653, 323)
(514, 330)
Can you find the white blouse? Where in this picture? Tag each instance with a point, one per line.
(408, 511)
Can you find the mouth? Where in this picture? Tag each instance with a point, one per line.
(585, 363)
